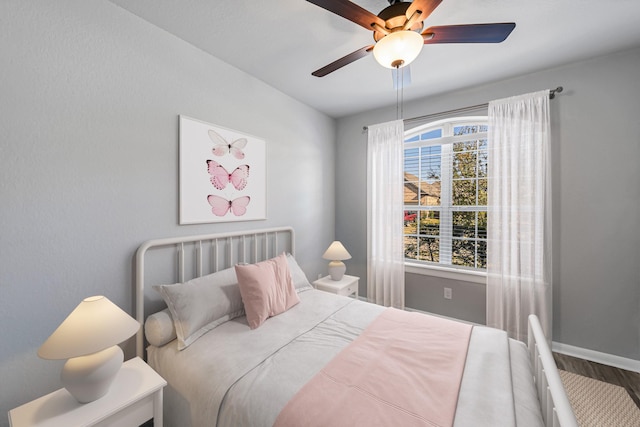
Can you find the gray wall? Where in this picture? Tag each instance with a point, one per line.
(426, 293)
(596, 184)
(89, 103)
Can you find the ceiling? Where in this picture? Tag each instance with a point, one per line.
(282, 41)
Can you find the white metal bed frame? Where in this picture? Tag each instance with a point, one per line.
(264, 244)
(555, 405)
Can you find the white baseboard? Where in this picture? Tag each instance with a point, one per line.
(597, 356)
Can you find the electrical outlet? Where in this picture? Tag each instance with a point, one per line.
(447, 293)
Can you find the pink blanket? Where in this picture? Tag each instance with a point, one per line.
(404, 370)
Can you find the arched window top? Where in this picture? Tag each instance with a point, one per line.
(437, 132)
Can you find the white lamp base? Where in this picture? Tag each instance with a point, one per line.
(336, 270)
(88, 378)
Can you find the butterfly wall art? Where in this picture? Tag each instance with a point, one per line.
(222, 146)
(222, 174)
(220, 177)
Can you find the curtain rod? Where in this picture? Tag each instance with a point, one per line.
(552, 94)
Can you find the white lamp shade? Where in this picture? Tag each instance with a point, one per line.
(398, 49)
(94, 325)
(336, 252)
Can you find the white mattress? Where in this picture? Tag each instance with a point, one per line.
(234, 376)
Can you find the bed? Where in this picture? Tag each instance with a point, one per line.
(222, 371)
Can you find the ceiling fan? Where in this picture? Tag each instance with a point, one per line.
(398, 31)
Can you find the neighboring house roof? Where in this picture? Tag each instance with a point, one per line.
(413, 186)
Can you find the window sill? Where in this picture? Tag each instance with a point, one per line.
(479, 277)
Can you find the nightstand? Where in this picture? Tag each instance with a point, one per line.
(135, 397)
(346, 286)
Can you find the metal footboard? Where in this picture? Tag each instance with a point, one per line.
(556, 408)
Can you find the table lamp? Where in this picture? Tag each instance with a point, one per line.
(336, 253)
(89, 339)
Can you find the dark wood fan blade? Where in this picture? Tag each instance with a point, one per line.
(424, 6)
(345, 60)
(472, 33)
(350, 11)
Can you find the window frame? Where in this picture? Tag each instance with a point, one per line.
(449, 271)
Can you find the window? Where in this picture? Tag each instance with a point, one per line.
(445, 193)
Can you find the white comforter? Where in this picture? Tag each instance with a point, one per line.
(235, 376)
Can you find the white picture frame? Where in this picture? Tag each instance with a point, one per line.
(222, 174)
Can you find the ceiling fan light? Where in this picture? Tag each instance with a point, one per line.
(398, 49)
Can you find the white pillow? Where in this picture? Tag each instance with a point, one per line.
(159, 328)
(201, 304)
(300, 281)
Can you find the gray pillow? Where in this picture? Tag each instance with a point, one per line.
(300, 281)
(201, 304)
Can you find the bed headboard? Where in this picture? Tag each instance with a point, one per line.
(194, 256)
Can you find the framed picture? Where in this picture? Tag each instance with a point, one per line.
(222, 174)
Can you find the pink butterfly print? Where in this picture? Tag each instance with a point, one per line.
(222, 147)
(220, 177)
(221, 206)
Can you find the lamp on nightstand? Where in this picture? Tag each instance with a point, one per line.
(89, 338)
(336, 253)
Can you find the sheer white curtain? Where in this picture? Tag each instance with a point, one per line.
(385, 253)
(519, 214)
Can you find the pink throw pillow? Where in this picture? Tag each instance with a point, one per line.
(266, 289)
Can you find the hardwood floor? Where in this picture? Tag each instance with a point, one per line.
(628, 379)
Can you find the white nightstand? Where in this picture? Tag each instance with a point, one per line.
(134, 397)
(346, 286)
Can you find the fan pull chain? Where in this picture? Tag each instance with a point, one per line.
(399, 93)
